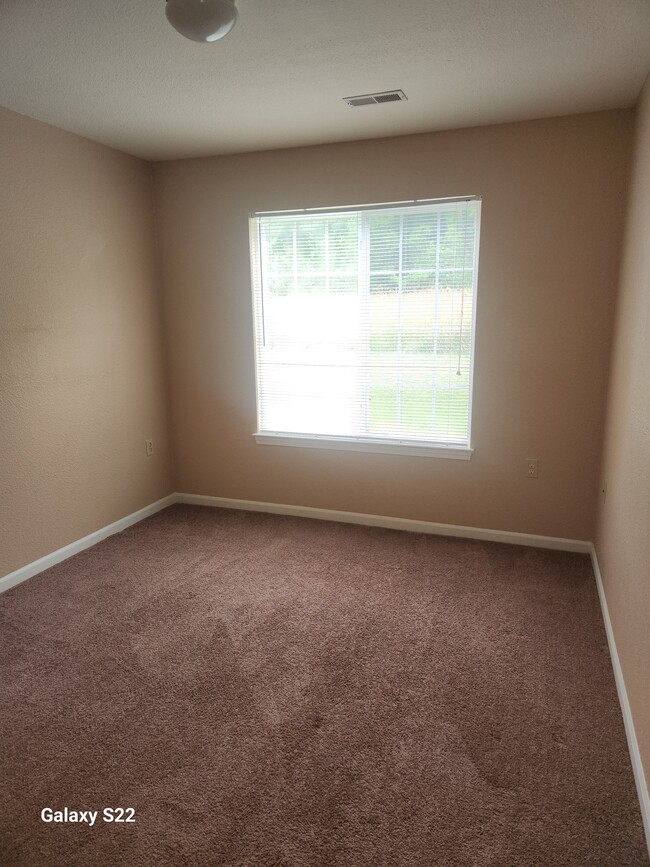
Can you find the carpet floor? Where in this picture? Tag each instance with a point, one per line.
(276, 691)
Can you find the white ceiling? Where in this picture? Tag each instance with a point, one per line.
(116, 72)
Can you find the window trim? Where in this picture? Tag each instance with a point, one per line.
(384, 445)
(366, 444)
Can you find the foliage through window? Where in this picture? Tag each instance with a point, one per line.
(364, 322)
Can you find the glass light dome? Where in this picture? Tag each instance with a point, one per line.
(202, 20)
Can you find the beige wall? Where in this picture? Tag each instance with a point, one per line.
(553, 200)
(623, 534)
(81, 368)
(81, 376)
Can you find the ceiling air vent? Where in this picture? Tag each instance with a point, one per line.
(376, 98)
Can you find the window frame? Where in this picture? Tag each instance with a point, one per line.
(383, 445)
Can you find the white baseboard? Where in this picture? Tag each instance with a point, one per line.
(55, 557)
(412, 526)
(390, 523)
(630, 733)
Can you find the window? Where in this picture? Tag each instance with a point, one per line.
(364, 326)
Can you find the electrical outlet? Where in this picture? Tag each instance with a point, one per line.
(149, 447)
(532, 468)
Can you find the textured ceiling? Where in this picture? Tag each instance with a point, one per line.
(116, 72)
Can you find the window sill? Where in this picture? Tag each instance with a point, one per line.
(388, 447)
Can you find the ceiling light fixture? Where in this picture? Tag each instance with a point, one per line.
(202, 20)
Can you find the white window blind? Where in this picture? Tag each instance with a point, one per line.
(364, 322)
